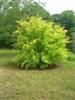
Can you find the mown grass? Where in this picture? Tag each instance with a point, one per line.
(51, 84)
(7, 56)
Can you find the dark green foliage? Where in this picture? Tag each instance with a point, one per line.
(66, 19)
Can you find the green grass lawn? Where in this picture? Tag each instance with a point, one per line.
(51, 84)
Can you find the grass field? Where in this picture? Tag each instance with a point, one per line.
(52, 84)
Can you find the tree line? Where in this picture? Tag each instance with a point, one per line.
(13, 10)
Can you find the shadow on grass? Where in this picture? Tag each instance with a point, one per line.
(14, 66)
(50, 67)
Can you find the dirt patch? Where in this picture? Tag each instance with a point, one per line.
(3, 72)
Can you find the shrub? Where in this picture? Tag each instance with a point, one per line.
(40, 43)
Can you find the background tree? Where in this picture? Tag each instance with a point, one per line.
(13, 10)
(67, 20)
(35, 9)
